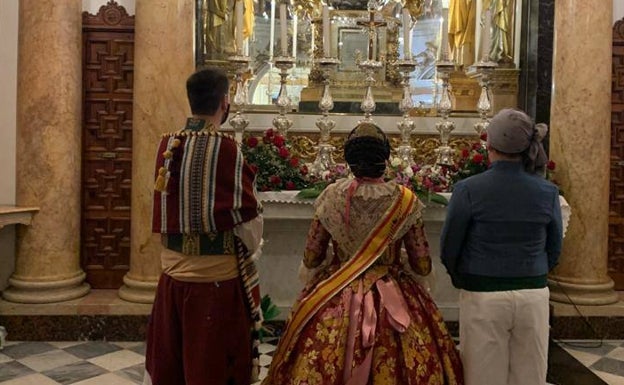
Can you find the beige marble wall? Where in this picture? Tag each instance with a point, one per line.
(8, 110)
(580, 143)
(48, 147)
(163, 61)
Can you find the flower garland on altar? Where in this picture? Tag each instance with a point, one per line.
(277, 169)
(426, 181)
(320, 182)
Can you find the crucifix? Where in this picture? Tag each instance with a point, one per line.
(371, 24)
(369, 65)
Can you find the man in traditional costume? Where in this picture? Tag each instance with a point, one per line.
(502, 235)
(205, 207)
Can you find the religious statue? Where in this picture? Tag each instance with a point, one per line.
(249, 18)
(502, 11)
(219, 26)
(462, 23)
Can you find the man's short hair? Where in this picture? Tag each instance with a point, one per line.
(205, 90)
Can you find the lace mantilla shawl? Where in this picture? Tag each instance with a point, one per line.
(368, 204)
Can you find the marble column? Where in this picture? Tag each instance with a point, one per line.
(163, 51)
(48, 149)
(580, 144)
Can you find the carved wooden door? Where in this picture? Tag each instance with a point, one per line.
(108, 65)
(616, 191)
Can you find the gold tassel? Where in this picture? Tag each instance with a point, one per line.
(161, 180)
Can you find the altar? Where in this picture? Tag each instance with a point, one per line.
(286, 222)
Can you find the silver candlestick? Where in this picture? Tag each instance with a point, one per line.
(368, 104)
(370, 65)
(444, 67)
(239, 121)
(407, 124)
(324, 160)
(485, 69)
(281, 122)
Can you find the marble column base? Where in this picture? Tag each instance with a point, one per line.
(138, 291)
(22, 291)
(582, 293)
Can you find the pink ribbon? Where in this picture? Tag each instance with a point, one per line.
(393, 301)
(355, 309)
(398, 317)
(350, 191)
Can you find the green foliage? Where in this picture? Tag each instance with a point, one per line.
(432, 197)
(269, 312)
(313, 191)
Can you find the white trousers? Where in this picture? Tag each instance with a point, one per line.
(504, 336)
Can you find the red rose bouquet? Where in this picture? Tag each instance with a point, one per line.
(276, 167)
(474, 160)
(471, 161)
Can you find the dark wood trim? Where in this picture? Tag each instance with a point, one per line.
(618, 31)
(616, 203)
(108, 67)
(110, 17)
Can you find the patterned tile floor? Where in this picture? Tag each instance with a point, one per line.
(121, 363)
(604, 358)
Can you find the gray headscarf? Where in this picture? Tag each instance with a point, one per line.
(512, 131)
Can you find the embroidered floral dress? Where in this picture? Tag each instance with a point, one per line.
(382, 328)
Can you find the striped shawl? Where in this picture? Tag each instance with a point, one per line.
(208, 185)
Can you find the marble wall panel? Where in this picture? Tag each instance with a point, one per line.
(580, 142)
(162, 66)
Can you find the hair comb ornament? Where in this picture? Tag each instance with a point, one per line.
(366, 129)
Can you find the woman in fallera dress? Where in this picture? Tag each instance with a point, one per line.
(363, 318)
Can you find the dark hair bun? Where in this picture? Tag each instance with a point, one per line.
(366, 152)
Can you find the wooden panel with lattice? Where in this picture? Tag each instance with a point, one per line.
(108, 76)
(616, 190)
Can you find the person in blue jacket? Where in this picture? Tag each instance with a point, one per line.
(502, 235)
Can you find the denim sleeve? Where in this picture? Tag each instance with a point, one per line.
(458, 216)
(554, 235)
